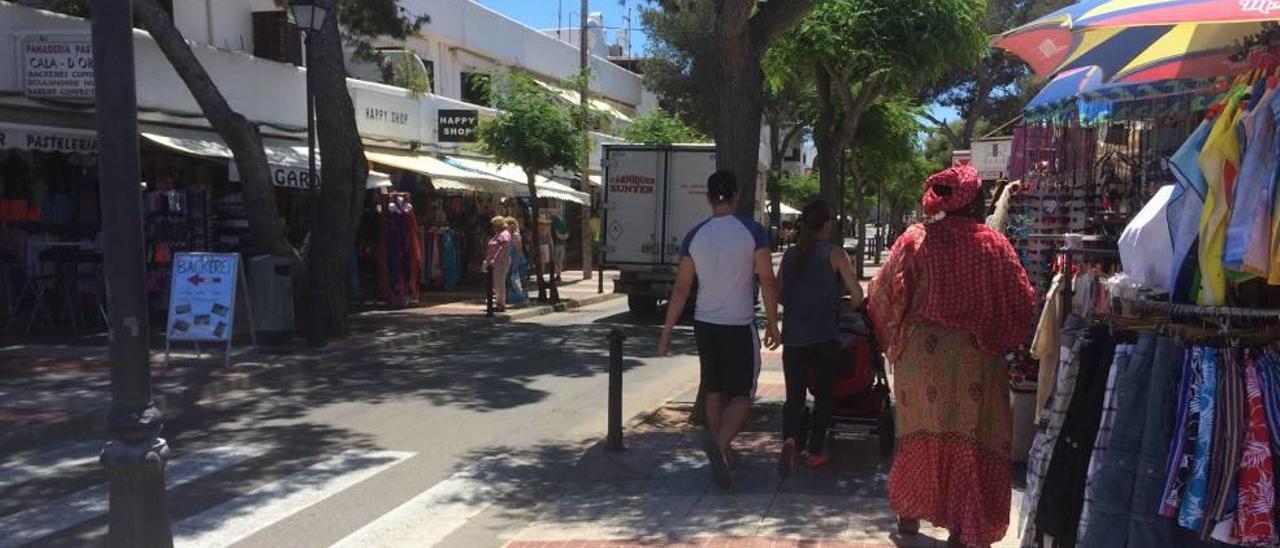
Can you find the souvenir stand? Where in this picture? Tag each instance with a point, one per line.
(1159, 407)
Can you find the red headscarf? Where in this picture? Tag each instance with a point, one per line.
(956, 272)
(963, 182)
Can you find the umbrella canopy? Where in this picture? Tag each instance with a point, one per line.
(1066, 86)
(1136, 54)
(1129, 13)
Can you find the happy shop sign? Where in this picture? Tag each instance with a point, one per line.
(457, 126)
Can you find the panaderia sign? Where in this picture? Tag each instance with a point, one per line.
(57, 67)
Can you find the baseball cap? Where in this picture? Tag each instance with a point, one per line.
(722, 186)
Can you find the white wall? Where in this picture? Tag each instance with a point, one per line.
(227, 24)
(265, 92)
(462, 33)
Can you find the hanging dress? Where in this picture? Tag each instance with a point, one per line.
(516, 294)
(452, 267)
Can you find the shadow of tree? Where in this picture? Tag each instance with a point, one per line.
(658, 491)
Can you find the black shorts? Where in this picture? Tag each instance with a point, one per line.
(729, 355)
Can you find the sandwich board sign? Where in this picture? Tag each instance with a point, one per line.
(202, 299)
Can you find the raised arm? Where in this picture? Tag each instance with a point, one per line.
(844, 266)
(675, 307)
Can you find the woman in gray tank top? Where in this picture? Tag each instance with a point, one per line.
(810, 277)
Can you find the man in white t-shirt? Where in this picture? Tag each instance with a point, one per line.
(726, 253)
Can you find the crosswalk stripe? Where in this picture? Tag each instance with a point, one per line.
(431, 516)
(49, 463)
(240, 517)
(40, 521)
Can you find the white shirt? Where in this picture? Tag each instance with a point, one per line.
(1146, 245)
(723, 251)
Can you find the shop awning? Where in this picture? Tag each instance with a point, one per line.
(287, 159)
(377, 180)
(48, 139)
(209, 144)
(572, 97)
(546, 187)
(443, 176)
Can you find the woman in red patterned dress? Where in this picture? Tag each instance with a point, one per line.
(950, 300)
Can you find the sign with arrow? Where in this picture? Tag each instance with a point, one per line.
(202, 297)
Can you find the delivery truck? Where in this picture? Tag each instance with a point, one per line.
(653, 197)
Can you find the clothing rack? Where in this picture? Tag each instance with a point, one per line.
(1068, 291)
(1190, 310)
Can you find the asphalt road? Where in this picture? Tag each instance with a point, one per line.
(447, 442)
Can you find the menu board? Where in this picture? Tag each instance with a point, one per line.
(202, 298)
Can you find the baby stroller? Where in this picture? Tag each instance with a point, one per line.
(861, 401)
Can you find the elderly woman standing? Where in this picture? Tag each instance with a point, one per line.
(950, 300)
(497, 259)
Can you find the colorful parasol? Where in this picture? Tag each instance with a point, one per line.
(1066, 87)
(1138, 40)
(1131, 13)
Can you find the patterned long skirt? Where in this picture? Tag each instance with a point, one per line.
(954, 430)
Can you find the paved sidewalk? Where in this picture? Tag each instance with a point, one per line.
(658, 492)
(62, 388)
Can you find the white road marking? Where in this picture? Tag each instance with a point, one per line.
(240, 517)
(431, 516)
(46, 519)
(49, 463)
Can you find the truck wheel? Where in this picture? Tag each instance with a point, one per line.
(642, 306)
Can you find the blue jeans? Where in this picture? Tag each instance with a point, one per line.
(1111, 491)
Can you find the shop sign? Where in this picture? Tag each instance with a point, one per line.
(457, 126)
(48, 139)
(283, 176)
(384, 115)
(991, 157)
(294, 177)
(58, 67)
(202, 296)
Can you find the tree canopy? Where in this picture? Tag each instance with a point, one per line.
(532, 129)
(997, 88)
(853, 53)
(659, 127)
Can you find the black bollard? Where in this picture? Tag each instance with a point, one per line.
(614, 442)
(600, 276)
(488, 309)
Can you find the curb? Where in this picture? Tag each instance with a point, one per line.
(563, 306)
(83, 423)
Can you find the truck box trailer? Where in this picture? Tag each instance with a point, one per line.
(653, 197)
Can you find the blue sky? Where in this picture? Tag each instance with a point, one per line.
(542, 14)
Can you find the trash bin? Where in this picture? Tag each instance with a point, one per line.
(271, 295)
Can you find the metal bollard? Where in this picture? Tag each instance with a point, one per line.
(488, 283)
(600, 277)
(614, 441)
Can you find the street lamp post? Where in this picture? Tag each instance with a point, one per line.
(309, 18)
(134, 457)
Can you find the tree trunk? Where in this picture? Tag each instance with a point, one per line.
(241, 136)
(537, 236)
(739, 109)
(343, 174)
